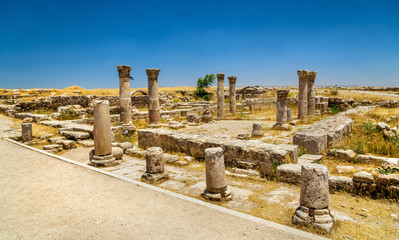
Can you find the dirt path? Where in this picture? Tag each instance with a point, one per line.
(42, 197)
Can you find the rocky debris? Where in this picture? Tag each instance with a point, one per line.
(75, 135)
(188, 158)
(55, 139)
(86, 143)
(246, 172)
(67, 144)
(170, 158)
(282, 127)
(181, 163)
(316, 138)
(387, 179)
(117, 152)
(135, 152)
(207, 115)
(369, 158)
(390, 163)
(289, 173)
(28, 120)
(309, 158)
(243, 136)
(174, 125)
(125, 146)
(342, 154)
(363, 177)
(52, 148)
(193, 118)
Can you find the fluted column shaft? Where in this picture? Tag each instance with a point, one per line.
(311, 93)
(153, 96)
(303, 94)
(232, 94)
(220, 96)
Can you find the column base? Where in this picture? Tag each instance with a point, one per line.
(154, 125)
(103, 161)
(257, 133)
(223, 195)
(318, 218)
(154, 177)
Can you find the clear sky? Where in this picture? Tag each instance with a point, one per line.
(63, 43)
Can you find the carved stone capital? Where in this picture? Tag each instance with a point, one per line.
(312, 76)
(282, 93)
(152, 73)
(124, 71)
(220, 76)
(232, 79)
(303, 75)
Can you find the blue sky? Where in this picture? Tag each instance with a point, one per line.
(64, 43)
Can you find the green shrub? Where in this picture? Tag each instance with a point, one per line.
(334, 110)
(202, 84)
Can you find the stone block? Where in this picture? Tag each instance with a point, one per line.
(289, 173)
(363, 177)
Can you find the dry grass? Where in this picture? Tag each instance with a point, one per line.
(355, 95)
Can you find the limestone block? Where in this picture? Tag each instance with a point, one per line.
(257, 129)
(388, 179)
(339, 183)
(26, 132)
(154, 160)
(215, 170)
(314, 186)
(390, 163)
(74, 135)
(125, 146)
(289, 173)
(363, 177)
(193, 118)
(342, 154)
(315, 143)
(68, 144)
(117, 152)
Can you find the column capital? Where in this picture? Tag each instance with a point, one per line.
(312, 76)
(220, 76)
(303, 75)
(152, 73)
(282, 93)
(232, 79)
(124, 71)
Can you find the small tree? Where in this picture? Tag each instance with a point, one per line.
(200, 92)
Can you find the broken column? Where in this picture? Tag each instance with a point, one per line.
(314, 199)
(155, 170)
(153, 97)
(311, 93)
(257, 130)
(220, 95)
(125, 100)
(26, 132)
(282, 95)
(303, 94)
(232, 94)
(102, 134)
(216, 185)
(289, 114)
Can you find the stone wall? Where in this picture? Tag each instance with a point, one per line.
(344, 104)
(316, 138)
(239, 153)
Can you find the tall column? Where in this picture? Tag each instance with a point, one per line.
(311, 93)
(282, 95)
(102, 134)
(216, 185)
(232, 94)
(153, 96)
(220, 95)
(314, 199)
(124, 98)
(303, 94)
(26, 132)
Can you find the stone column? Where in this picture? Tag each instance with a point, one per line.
(257, 130)
(124, 98)
(102, 134)
(289, 114)
(153, 97)
(155, 170)
(303, 94)
(220, 95)
(216, 186)
(232, 94)
(26, 132)
(314, 199)
(282, 106)
(311, 93)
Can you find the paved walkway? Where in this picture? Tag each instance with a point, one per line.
(43, 197)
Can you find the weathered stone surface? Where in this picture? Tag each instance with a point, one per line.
(75, 135)
(232, 94)
(67, 144)
(303, 94)
(289, 114)
(55, 139)
(215, 171)
(388, 179)
(311, 93)
(154, 160)
(28, 120)
(102, 128)
(257, 129)
(125, 146)
(154, 177)
(26, 132)
(56, 147)
(86, 143)
(390, 163)
(314, 186)
(348, 169)
(309, 158)
(342, 154)
(341, 183)
(153, 96)
(282, 106)
(194, 118)
(289, 173)
(363, 177)
(117, 152)
(174, 124)
(369, 158)
(170, 158)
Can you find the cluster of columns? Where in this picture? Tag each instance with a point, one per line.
(220, 95)
(125, 100)
(306, 103)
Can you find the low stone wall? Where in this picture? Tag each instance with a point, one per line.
(239, 153)
(316, 138)
(344, 104)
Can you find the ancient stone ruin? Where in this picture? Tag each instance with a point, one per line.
(125, 99)
(153, 97)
